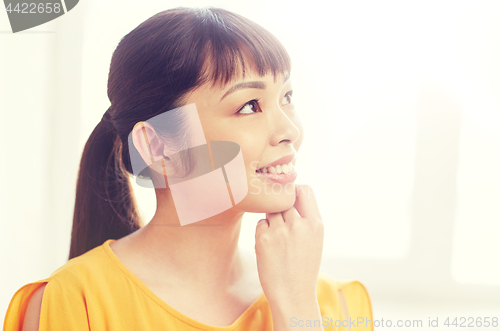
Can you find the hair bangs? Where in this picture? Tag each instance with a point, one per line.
(235, 45)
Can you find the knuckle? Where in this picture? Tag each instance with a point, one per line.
(263, 238)
(319, 225)
(297, 225)
(281, 231)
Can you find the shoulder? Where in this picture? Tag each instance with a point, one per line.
(64, 292)
(82, 274)
(84, 266)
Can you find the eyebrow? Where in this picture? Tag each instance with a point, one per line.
(254, 84)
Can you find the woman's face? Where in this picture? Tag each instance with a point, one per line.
(258, 114)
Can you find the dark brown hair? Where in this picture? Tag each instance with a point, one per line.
(152, 69)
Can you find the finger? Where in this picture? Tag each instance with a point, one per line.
(275, 219)
(262, 224)
(290, 215)
(305, 203)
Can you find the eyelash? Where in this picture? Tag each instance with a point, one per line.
(255, 102)
(290, 93)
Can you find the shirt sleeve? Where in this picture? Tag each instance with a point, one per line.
(344, 305)
(17, 307)
(357, 306)
(63, 307)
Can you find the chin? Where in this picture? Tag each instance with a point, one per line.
(269, 202)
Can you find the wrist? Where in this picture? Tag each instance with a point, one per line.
(294, 304)
(293, 300)
(285, 313)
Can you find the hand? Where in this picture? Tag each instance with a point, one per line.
(288, 249)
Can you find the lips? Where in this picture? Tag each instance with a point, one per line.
(284, 160)
(277, 176)
(280, 171)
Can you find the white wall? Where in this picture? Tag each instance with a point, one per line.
(401, 107)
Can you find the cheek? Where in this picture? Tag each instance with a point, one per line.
(252, 146)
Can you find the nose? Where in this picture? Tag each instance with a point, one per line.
(284, 128)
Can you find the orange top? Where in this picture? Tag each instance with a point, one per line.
(95, 291)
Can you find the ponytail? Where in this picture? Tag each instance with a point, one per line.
(105, 207)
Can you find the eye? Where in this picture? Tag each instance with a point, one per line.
(250, 107)
(287, 99)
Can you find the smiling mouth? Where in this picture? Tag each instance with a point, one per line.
(278, 169)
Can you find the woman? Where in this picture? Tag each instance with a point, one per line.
(176, 275)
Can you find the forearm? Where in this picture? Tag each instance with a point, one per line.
(302, 316)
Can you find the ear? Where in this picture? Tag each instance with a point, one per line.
(147, 143)
(153, 151)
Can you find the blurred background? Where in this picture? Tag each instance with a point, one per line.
(400, 102)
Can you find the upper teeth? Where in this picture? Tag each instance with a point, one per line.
(279, 169)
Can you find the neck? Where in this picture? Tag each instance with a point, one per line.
(204, 253)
